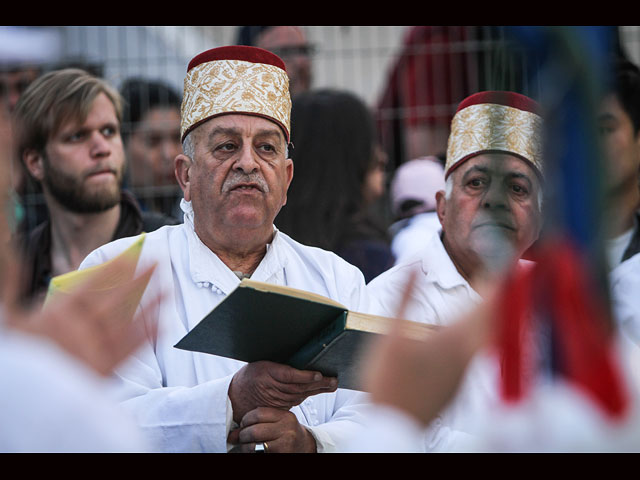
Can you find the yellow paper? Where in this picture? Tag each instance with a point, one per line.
(106, 277)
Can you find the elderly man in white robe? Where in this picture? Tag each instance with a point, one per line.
(234, 173)
(447, 393)
(490, 212)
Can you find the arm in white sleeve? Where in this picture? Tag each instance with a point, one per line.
(175, 419)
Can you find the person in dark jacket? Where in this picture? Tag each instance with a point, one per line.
(68, 139)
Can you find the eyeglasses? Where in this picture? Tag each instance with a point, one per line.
(294, 50)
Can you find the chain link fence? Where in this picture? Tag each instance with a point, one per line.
(412, 77)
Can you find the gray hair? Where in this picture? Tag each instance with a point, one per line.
(187, 146)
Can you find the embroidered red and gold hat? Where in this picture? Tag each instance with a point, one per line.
(236, 79)
(495, 121)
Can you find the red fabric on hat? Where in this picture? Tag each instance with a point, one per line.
(509, 99)
(238, 52)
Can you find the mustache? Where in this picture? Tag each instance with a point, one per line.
(236, 179)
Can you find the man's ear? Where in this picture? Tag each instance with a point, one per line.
(289, 177)
(441, 204)
(34, 163)
(182, 165)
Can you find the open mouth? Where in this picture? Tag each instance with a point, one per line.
(246, 187)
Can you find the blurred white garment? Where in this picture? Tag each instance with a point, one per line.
(440, 296)
(413, 201)
(53, 404)
(625, 296)
(615, 247)
(413, 235)
(554, 418)
(30, 45)
(414, 186)
(559, 416)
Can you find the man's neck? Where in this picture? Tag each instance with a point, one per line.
(75, 235)
(476, 270)
(467, 265)
(241, 251)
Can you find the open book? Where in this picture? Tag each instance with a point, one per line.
(260, 321)
(104, 278)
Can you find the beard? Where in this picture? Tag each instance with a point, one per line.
(74, 195)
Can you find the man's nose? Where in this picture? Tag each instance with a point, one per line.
(495, 196)
(100, 145)
(246, 161)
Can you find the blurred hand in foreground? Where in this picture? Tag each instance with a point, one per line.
(88, 323)
(420, 377)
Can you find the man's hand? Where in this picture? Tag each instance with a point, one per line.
(268, 384)
(279, 429)
(420, 377)
(86, 323)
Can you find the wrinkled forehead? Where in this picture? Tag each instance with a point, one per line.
(237, 126)
(244, 124)
(498, 165)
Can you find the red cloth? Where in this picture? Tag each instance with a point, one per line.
(237, 52)
(507, 98)
(434, 71)
(558, 291)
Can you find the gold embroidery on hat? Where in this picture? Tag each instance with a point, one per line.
(228, 86)
(495, 127)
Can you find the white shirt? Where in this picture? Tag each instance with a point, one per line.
(617, 246)
(624, 282)
(554, 417)
(179, 397)
(440, 296)
(53, 404)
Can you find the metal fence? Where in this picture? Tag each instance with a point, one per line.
(411, 77)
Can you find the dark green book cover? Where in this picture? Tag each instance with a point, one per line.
(259, 321)
(252, 325)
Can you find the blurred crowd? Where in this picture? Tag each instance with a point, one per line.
(435, 215)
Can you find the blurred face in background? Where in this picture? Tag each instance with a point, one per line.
(153, 146)
(492, 209)
(291, 45)
(15, 81)
(621, 145)
(83, 162)
(374, 185)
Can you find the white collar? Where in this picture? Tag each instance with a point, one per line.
(438, 266)
(206, 268)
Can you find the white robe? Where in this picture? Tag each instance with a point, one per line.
(441, 296)
(52, 403)
(179, 398)
(555, 417)
(625, 297)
